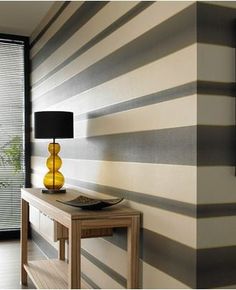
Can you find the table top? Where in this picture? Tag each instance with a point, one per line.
(48, 204)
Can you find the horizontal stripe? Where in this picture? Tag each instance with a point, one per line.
(139, 25)
(134, 84)
(56, 26)
(50, 22)
(216, 210)
(216, 232)
(215, 63)
(179, 227)
(150, 200)
(109, 271)
(167, 146)
(199, 211)
(219, 181)
(215, 24)
(215, 110)
(216, 88)
(158, 97)
(216, 145)
(89, 281)
(100, 36)
(148, 47)
(216, 267)
(131, 176)
(79, 18)
(151, 117)
(202, 87)
(98, 276)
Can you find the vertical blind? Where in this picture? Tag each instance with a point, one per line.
(12, 172)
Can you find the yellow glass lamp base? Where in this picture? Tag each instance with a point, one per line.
(54, 179)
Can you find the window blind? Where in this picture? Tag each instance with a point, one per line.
(12, 171)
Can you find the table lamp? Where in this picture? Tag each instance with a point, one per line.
(52, 125)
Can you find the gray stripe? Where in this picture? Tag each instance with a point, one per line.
(77, 20)
(43, 244)
(179, 207)
(164, 39)
(216, 24)
(110, 272)
(216, 88)
(216, 210)
(52, 20)
(184, 208)
(216, 146)
(200, 87)
(110, 29)
(162, 96)
(89, 281)
(216, 267)
(167, 146)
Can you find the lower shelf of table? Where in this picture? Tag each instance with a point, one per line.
(49, 274)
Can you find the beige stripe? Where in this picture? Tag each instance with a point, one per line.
(52, 11)
(115, 258)
(103, 280)
(215, 63)
(215, 110)
(173, 70)
(151, 117)
(216, 184)
(94, 26)
(174, 226)
(146, 178)
(216, 232)
(149, 18)
(67, 13)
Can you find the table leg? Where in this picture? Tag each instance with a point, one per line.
(74, 254)
(24, 239)
(133, 253)
(61, 252)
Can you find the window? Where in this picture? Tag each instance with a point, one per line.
(12, 131)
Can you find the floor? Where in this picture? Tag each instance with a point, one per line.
(10, 263)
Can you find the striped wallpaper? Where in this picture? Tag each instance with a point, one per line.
(151, 85)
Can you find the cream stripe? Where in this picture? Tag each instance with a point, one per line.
(66, 14)
(151, 117)
(168, 72)
(52, 11)
(146, 178)
(149, 18)
(216, 183)
(174, 226)
(215, 63)
(103, 280)
(115, 258)
(215, 110)
(216, 232)
(94, 26)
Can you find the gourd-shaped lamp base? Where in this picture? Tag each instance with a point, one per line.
(54, 179)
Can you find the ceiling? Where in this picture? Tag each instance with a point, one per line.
(22, 17)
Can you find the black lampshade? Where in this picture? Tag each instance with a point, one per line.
(53, 124)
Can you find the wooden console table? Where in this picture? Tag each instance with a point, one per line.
(60, 273)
